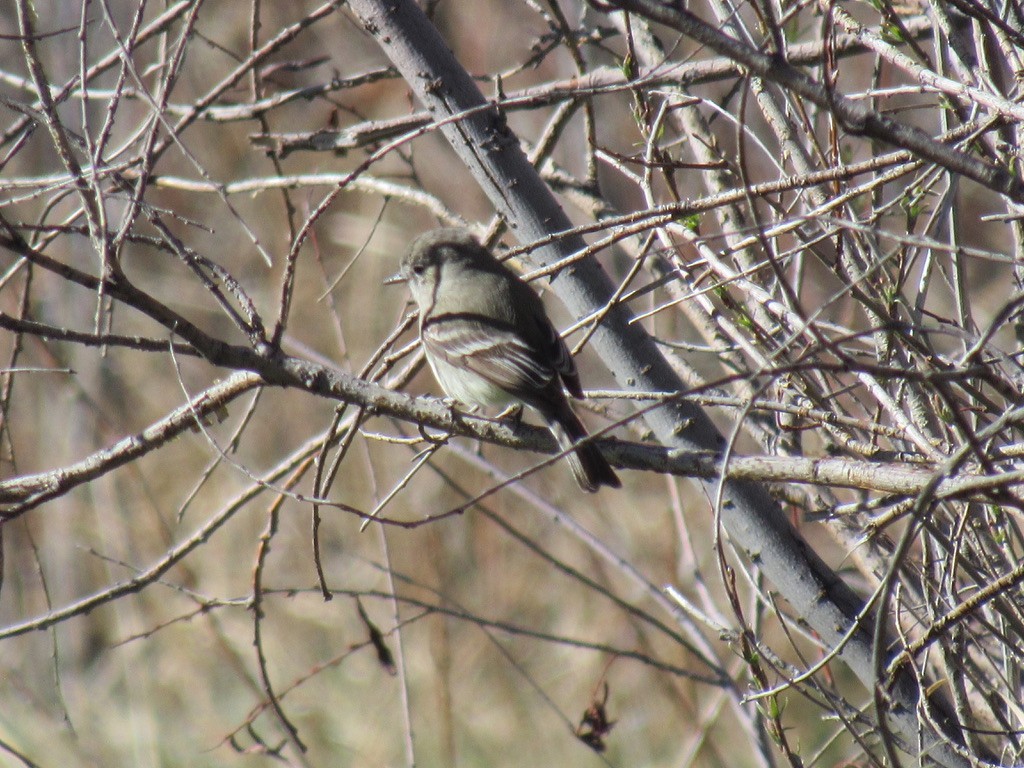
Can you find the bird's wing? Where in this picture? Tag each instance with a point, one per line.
(564, 363)
(491, 350)
(558, 355)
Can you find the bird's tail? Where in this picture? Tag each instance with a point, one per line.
(589, 466)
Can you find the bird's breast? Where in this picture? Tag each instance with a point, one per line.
(468, 387)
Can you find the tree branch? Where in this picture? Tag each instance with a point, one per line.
(858, 118)
(754, 521)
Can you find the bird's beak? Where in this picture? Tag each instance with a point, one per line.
(395, 279)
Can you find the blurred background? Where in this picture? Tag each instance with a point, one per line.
(505, 624)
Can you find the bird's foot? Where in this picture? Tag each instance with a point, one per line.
(513, 414)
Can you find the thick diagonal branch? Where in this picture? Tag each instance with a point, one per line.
(754, 521)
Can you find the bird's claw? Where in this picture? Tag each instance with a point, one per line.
(434, 440)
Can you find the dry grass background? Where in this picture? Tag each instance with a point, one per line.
(169, 676)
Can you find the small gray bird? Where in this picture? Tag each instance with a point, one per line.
(490, 343)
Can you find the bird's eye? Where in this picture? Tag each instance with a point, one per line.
(418, 269)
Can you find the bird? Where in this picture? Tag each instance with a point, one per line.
(489, 341)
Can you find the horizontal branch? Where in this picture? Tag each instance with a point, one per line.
(29, 491)
(141, 343)
(599, 81)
